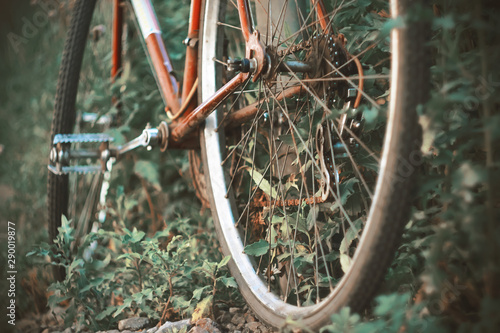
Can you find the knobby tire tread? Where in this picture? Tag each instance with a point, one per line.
(64, 109)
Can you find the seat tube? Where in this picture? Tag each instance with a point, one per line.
(162, 65)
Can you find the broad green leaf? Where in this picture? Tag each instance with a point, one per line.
(223, 262)
(284, 256)
(66, 230)
(277, 219)
(126, 303)
(93, 283)
(148, 293)
(257, 249)
(198, 293)
(229, 282)
(106, 312)
(209, 268)
(137, 297)
(137, 236)
(350, 235)
(261, 182)
(346, 189)
(74, 264)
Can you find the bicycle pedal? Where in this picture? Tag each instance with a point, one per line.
(78, 169)
(82, 138)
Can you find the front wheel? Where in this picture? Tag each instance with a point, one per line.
(89, 113)
(310, 194)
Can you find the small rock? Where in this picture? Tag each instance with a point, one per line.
(249, 318)
(234, 310)
(68, 330)
(197, 329)
(205, 325)
(224, 318)
(133, 324)
(238, 318)
(178, 325)
(45, 330)
(253, 326)
(230, 327)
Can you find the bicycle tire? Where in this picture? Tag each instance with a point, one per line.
(391, 199)
(64, 116)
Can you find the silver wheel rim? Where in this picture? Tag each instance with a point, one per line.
(223, 206)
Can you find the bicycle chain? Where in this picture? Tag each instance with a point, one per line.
(288, 202)
(304, 45)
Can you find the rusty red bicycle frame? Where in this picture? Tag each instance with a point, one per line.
(193, 112)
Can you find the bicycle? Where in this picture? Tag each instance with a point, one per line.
(306, 125)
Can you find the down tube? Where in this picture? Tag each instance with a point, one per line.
(162, 65)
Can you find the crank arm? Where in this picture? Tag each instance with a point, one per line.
(148, 138)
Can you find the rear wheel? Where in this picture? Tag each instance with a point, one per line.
(310, 192)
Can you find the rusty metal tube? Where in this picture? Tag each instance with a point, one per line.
(187, 125)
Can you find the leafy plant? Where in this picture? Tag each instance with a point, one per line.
(121, 272)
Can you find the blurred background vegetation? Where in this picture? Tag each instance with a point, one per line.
(444, 277)
(28, 80)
